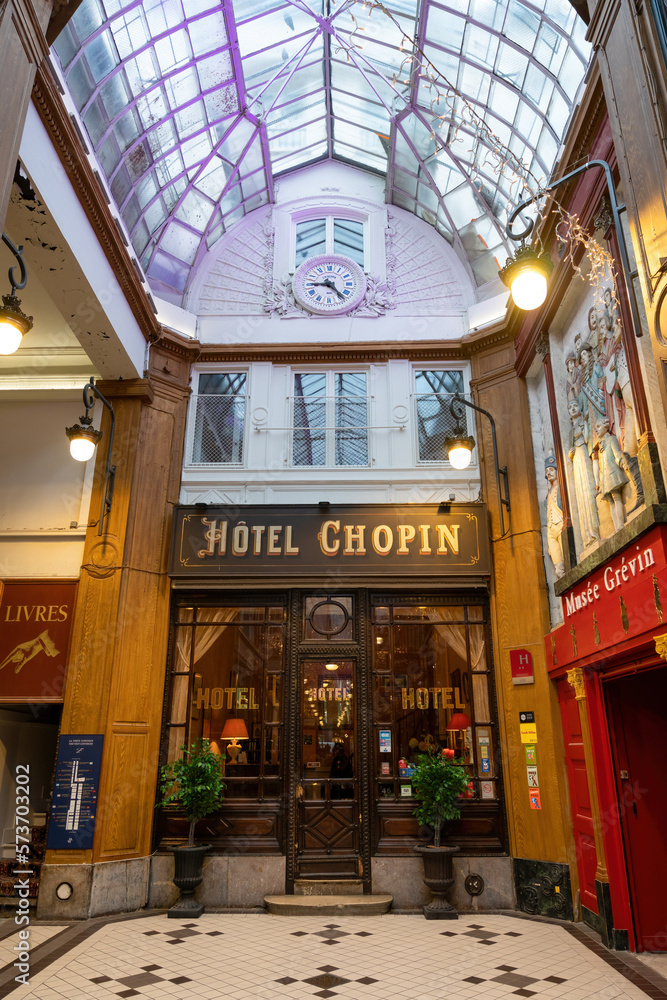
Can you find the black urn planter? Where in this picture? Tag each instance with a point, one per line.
(439, 878)
(188, 863)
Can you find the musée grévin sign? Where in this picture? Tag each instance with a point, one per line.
(355, 541)
(620, 600)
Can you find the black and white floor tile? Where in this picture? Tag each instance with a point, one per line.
(263, 957)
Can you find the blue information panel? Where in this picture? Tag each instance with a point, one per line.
(74, 806)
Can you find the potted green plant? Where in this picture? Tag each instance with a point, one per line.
(439, 781)
(195, 783)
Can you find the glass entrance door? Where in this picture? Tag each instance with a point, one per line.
(327, 793)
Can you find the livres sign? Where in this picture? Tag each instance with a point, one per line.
(35, 624)
(346, 540)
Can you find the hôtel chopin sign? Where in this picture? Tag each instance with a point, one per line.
(352, 541)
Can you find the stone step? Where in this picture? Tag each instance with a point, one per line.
(328, 906)
(328, 887)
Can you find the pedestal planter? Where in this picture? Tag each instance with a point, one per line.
(188, 863)
(439, 878)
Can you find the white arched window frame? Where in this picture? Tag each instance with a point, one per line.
(329, 215)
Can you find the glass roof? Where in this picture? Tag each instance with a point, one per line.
(193, 107)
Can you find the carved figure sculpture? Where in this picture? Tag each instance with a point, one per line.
(613, 466)
(591, 399)
(554, 517)
(573, 380)
(583, 476)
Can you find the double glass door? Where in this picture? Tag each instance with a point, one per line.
(327, 791)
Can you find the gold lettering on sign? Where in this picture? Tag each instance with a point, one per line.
(425, 548)
(406, 533)
(408, 695)
(383, 548)
(214, 536)
(258, 530)
(448, 535)
(422, 697)
(329, 546)
(290, 550)
(36, 613)
(354, 536)
(273, 691)
(274, 541)
(231, 697)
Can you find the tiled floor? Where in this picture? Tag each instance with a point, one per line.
(248, 956)
(38, 934)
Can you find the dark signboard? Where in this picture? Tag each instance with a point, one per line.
(341, 540)
(35, 623)
(75, 791)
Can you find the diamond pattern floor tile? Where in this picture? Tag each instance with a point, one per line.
(392, 957)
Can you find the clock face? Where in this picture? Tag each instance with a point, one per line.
(329, 285)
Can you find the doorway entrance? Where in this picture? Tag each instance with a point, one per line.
(638, 715)
(327, 792)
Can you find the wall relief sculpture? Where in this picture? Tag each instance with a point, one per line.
(603, 472)
(554, 517)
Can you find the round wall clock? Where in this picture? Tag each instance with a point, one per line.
(329, 285)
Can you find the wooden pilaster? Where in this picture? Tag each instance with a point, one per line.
(119, 643)
(520, 615)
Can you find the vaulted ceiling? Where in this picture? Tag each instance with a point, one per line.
(193, 107)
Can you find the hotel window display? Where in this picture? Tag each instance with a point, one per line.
(227, 676)
(431, 687)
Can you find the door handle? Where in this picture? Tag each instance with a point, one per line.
(299, 792)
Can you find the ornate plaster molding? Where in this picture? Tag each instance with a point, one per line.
(661, 645)
(575, 678)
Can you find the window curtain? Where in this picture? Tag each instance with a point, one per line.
(455, 636)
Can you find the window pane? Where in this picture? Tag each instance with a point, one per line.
(219, 418)
(310, 239)
(435, 421)
(349, 239)
(309, 443)
(351, 419)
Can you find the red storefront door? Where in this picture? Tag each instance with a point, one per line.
(582, 814)
(638, 717)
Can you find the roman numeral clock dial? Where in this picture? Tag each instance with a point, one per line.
(329, 285)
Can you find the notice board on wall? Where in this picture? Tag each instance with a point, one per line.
(75, 793)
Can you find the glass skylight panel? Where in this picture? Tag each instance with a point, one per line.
(445, 28)
(362, 112)
(521, 25)
(300, 138)
(273, 28)
(299, 159)
(293, 116)
(360, 157)
(156, 87)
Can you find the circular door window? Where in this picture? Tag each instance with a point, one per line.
(329, 619)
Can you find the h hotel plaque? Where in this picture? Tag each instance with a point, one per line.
(352, 541)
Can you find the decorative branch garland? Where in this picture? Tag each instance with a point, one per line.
(461, 115)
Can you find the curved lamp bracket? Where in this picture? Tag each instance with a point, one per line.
(616, 209)
(456, 406)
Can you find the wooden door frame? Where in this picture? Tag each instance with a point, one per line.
(296, 651)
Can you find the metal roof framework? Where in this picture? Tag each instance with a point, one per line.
(193, 107)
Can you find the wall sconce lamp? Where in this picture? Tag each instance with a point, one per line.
(83, 439)
(526, 273)
(14, 324)
(459, 452)
(234, 730)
